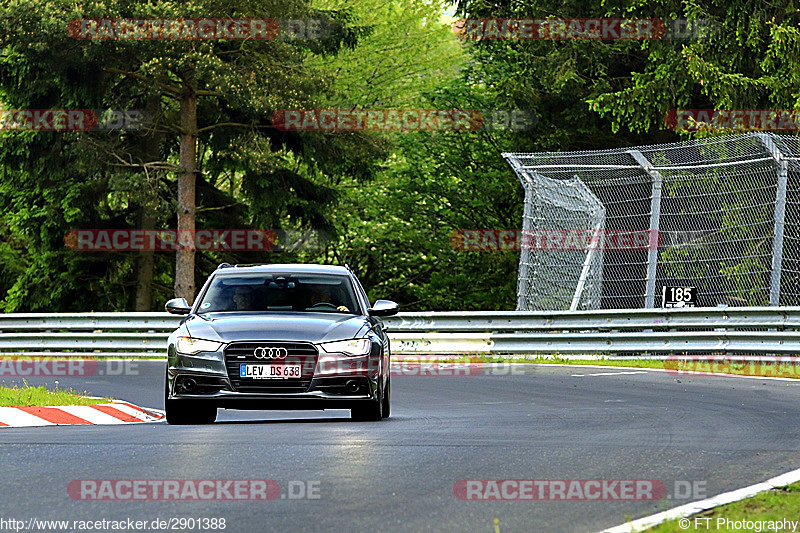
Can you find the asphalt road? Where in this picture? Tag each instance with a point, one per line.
(398, 475)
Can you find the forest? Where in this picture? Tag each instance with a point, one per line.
(217, 150)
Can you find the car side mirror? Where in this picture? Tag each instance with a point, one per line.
(383, 308)
(178, 306)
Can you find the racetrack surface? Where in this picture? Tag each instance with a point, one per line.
(543, 422)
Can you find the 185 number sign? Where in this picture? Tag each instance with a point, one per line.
(678, 296)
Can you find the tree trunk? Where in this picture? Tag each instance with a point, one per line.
(144, 264)
(184, 262)
(147, 213)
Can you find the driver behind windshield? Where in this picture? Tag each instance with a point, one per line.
(322, 296)
(243, 298)
(279, 292)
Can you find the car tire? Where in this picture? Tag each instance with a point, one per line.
(183, 412)
(387, 399)
(371, 411)
(186, 412)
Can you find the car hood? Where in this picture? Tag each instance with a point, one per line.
(284, 326)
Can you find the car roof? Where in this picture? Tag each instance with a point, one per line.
(283, 268)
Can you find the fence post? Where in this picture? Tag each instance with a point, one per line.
(524, 254)
(655, 221)
(576, 298)
(780, 215)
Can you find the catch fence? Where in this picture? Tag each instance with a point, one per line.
(722, 214)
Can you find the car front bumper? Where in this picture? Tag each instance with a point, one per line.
(329, 392)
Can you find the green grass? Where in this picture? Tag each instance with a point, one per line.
(774, 505)
(479, 358)
(27, 396)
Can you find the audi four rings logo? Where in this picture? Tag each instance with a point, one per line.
(270, 353)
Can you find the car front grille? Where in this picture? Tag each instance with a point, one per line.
(297, 352)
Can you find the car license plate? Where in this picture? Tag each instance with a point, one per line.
(269, 371)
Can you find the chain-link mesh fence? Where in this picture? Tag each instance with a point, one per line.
(726, 211)
(575, 280)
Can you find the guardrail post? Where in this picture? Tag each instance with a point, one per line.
(655, 222)
(780, 215)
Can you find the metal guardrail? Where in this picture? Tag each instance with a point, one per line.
(740, 330)
(610, 319)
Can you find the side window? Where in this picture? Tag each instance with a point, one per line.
(203, 291)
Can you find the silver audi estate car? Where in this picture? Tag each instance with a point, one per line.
(279, 337)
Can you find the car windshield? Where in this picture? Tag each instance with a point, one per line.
(280, 292)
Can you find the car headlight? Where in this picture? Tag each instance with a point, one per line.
(351, 347)
(190, 346)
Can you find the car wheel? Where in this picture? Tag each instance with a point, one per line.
(371, 411)
(387, 402)
(185, 412)
(182, 412)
